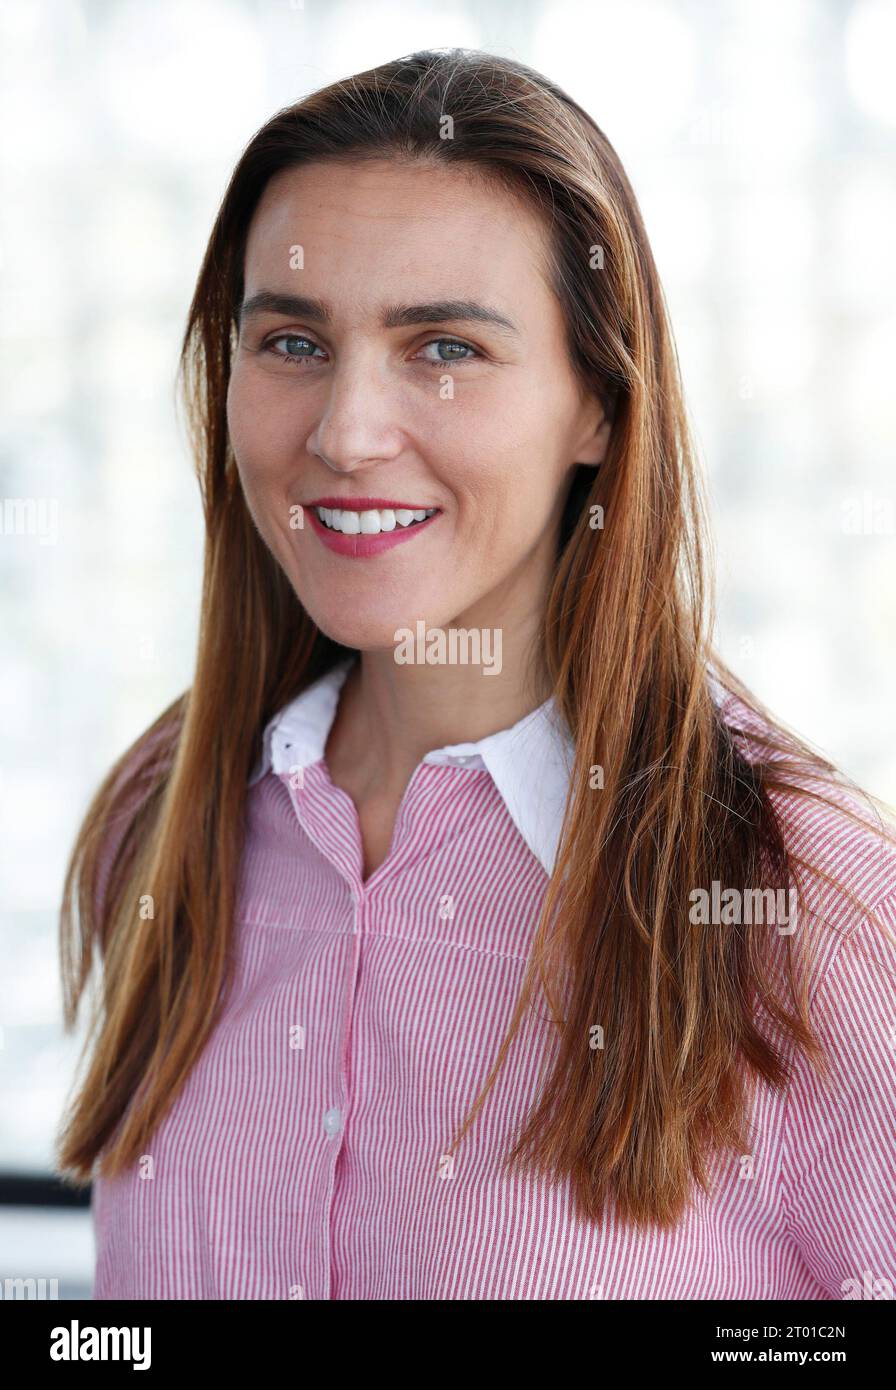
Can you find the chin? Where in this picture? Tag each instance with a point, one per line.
(366, 634)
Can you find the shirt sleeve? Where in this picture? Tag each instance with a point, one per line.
(839, 1156)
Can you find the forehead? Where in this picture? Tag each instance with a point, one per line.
(366, 225)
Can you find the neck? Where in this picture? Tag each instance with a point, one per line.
(390, 714)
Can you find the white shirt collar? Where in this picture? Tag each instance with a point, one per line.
(530, 763)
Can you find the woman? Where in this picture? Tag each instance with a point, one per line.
(467, 929)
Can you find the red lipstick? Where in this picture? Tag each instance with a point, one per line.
(364, 546)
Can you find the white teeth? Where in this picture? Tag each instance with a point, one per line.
(370, 523)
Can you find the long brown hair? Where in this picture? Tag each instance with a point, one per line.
(693, 1019)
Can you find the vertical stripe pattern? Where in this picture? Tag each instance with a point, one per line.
(305, 1157)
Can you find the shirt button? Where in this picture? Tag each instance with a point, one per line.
(333, 1121)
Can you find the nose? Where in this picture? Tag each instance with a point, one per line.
(358, 423)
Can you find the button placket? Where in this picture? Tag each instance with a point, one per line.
(333, 1120)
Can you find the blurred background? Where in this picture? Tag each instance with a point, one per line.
(760, 138)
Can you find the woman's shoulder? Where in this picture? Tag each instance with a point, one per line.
(837, 1196)
(840, 838)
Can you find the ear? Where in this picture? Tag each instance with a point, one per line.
(595, 441)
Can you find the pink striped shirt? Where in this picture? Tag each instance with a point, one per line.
(305, 1156)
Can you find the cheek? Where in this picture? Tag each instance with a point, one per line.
(255, 421)
(255, 451)
(505, 443)
(505, 478)
(236, 405)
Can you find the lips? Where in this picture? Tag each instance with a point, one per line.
(362, 545)
(370, 522)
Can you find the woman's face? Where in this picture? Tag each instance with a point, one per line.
(381, 387)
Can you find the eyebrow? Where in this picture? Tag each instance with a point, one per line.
(394, 316)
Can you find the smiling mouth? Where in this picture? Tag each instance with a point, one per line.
(373, 521)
